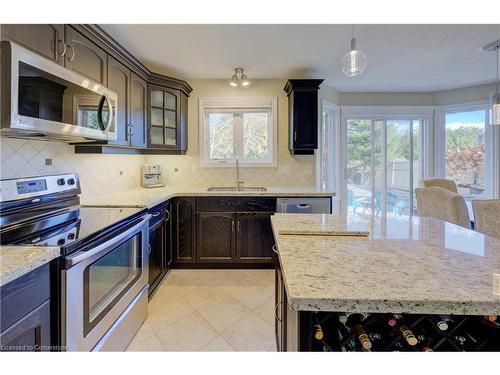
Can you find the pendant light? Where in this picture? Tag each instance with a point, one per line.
(495, 98)
(239, 78)
(353, 62)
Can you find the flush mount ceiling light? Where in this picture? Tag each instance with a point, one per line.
(353, 62)
(495, 98)
(239, 78)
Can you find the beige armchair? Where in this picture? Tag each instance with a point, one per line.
(487, 216)
(442, 204)
(449, 185)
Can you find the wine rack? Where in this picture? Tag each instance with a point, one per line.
(330, 331)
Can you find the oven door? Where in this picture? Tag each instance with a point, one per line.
(100, 283)
(46, 100)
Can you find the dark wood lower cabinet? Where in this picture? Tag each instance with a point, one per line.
(184, 234)
(254, 236)
(280, 311)
(160, 244)
(215, 237)
(31, 333)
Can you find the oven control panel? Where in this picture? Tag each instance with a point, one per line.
(25, 188)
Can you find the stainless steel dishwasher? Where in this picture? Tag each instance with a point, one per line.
(321, 205)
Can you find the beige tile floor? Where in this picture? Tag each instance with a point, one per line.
(210, 310)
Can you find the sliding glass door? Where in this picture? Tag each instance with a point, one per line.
(382, 166)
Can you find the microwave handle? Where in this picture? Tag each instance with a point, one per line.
(100, 108)
(105, 247)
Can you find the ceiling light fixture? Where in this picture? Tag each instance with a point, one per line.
(239, 78)
(495, 98)
(353, 62)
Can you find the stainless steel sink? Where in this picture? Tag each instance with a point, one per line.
(233, 188)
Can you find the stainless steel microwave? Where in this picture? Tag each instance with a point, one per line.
(43, 100)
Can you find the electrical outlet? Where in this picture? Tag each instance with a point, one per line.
(284, 169)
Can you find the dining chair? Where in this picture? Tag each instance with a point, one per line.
(440, 182)
(487, 216)
(442, 204)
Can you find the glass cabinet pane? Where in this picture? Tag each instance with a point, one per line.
(170, 101)
(157, 98)
(170, 119)
(156, 135)
(156, 117)
(170, 137)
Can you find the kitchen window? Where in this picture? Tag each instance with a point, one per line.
(243, 129)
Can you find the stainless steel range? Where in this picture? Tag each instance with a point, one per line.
(103, 269)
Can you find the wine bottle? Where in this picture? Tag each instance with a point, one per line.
(408, 335)
(392, 319)
(317, 330)
(442, 322)
(354, 324)
(425, 348)
(491, 318)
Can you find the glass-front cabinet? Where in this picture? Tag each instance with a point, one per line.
(164, 120)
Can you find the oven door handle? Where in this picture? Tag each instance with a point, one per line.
(82, 255)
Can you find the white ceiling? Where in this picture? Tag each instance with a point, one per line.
(400, 57)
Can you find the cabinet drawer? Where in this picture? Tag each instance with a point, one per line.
(23, 295)
(247, 204)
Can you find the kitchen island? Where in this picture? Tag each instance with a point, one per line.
(436, 280)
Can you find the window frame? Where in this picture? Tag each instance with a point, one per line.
(231, 105)
(492, 144)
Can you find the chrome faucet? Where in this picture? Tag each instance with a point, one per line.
(239, 181)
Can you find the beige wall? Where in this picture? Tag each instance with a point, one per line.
(463, 95)
(187, 171)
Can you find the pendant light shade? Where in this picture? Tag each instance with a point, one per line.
(354, 62)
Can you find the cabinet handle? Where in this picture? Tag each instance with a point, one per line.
(130, 129)
(278, 318)
(65, 48)
(149, 249)
(295, 136)
(275, 249)
(70, 59)
(156, 214)
(238, 226)
(232, 225)
(168, 215)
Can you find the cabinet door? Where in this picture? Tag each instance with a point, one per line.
(184, 234)
(84, 57)
(47, 40)
(119, 81)
(305, 121)
(216, 237)
(138, 111)
(254, 237)
(168, 238)
(31, 333)
(156, 251)
(164, 117)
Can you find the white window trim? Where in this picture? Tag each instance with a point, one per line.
(492, 143)
(425, 113)
(237, 103)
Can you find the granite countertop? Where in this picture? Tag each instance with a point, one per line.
(419, 265)
(149, 197)
(16, 261)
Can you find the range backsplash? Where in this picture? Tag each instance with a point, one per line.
(105, 174)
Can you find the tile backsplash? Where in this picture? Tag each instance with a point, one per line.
(106, 174)
(99, 174)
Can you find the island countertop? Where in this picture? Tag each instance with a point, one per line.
(417, 265)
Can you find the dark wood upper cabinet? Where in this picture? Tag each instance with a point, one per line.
(138, 111)
(216, 237)
(254, 237)
(184, 236)
(119, 81)
(47, 40)
(303, 115)
(84, 57)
